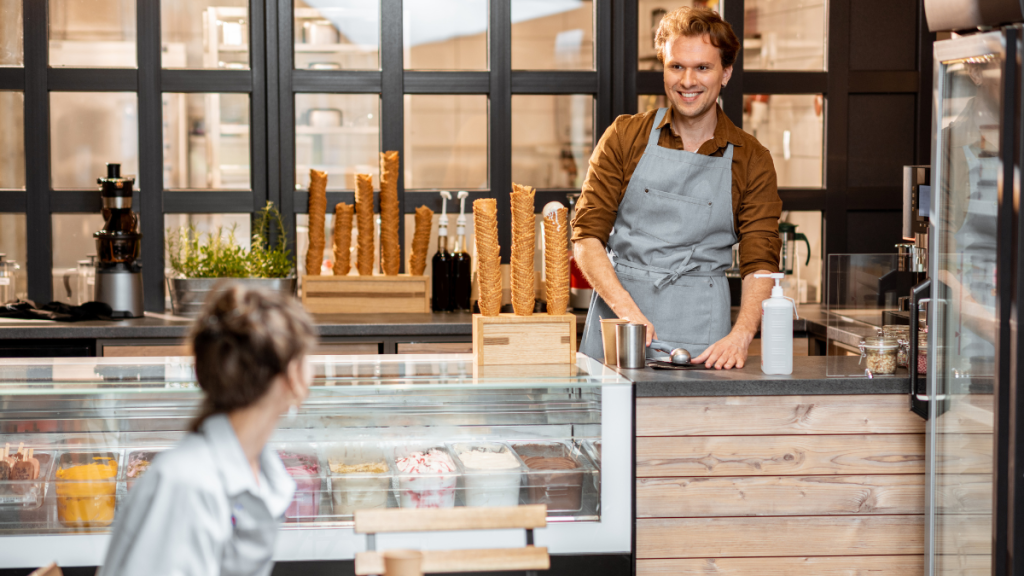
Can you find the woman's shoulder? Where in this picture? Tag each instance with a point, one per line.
(190, 464)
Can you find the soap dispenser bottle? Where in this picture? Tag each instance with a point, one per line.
(440, 273)
(777, 329)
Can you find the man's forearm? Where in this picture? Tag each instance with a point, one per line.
(755, 290)
(593, 260)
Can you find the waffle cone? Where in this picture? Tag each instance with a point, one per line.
(523, 241)
(488, 255)
(390, 251)
(317, 214)
(421, 240)
(342, 238)
(556, 261)
(364, 224)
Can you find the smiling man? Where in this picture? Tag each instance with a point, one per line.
(667, 195)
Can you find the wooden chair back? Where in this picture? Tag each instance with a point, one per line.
(530, 558)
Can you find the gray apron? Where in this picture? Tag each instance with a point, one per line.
(671, 245)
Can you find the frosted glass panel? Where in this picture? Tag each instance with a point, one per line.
(445, 142)
(206, 141)
(553, 34)
(337, 34)
(12, 51)
(784, 34)
(445, 34)
(205, 33)
(792, 128)
(552, 139)
(92, 33)
(89, 129)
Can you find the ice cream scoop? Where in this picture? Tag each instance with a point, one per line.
(680, 356)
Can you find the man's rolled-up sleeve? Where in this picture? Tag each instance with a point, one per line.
(758, 217)
(599, 200)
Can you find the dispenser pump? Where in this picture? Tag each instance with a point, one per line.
(442, 225)
(777, 289)
(460, 223)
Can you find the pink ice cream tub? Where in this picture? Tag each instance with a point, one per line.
(427, 477)
(303, 466)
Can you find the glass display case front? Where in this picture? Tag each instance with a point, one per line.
(397, 432)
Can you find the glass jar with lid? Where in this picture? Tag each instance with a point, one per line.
(880, 353)
(901, 334)
(922, 352)
(8, 281)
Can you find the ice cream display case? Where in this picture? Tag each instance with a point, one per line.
(376, 432)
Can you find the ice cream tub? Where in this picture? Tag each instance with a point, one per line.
(303, 465)
(426, 476)
(360, 475)
(491, 473)
(136, 463)
(555, 474)
(23, 475)
(86, 487)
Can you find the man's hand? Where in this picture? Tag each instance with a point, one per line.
(729, 352)
(637, 317)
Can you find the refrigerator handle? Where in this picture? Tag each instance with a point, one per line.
(918, 402)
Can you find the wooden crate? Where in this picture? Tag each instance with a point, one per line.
(508, 339)
(366, 294)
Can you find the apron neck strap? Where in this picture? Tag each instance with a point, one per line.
(652, 140)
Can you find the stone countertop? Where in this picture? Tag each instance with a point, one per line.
(812, 320)
(166, 326)
(809, 377)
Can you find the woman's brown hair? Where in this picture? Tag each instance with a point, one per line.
(242, 341)
(691, 22)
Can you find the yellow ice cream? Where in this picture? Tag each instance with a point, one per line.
(83, 498)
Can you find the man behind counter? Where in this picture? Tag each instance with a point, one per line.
(669, 192)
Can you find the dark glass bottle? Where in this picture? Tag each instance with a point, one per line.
(440, 281)
(461, 274)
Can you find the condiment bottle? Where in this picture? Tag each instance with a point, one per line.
(461, 277)
(440, 279)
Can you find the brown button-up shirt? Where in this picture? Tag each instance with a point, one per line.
(756, 205)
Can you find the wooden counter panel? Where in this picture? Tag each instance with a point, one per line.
(780, 536)
(775, 415)
(779, 496)
(780, 455)
(704, 497)
(803, 566)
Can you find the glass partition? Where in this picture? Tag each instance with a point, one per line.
(445, 34)
(337, 35)
(862, 306)
(205, 34)
(552, 139)
(552, 34)
(792, 128)
(785, 34)
(92, 33)
(89, 129)
(206, 139)
(339, 134)
(12, 139)
(445, 142)
(12, 51)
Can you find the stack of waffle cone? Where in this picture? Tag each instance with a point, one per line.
(488, 255)
(524, 237)
(556, 261)
(390, 252)
(342, 238)
(421, 240)
(364, 224)
(317, 214)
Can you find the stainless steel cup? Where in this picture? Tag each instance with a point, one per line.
(631, 345)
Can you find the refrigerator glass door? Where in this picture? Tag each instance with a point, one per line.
(962, 315)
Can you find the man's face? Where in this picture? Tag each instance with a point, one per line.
(693, 74)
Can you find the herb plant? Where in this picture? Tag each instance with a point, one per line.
(216, 254)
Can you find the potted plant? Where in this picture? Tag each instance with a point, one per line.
(202, 260)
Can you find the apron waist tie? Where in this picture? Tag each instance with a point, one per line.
(675, 275)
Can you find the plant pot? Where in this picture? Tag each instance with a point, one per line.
(189, 294)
